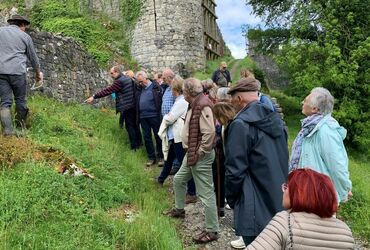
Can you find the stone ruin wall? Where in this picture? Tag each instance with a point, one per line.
(70, 73)
(275, 78)
(169, 33)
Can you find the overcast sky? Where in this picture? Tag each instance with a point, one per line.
(232, 14)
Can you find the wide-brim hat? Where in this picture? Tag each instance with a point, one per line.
(19, 18)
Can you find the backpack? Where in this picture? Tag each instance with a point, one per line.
(221, 79)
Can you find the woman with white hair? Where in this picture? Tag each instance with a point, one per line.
(319, 143)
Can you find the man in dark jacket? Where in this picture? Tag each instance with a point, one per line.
(123, 87)
(149, 104)
(256, 162)
(222, 76)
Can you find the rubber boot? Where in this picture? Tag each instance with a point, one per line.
(6, 121)
(21, 117)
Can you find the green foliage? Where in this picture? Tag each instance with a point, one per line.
(42, 209)
(329, 46)
(131, 10)
(102, 37)
(266, 41)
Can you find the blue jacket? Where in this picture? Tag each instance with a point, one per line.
(256, 164)
(323, 150)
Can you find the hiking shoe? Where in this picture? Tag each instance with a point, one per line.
(191, 199)
(150, 163)
(160, 163)
(176, 213)
(238, 244)
(174, 170)
(205, 237)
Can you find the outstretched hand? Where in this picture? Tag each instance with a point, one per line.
(89, 100)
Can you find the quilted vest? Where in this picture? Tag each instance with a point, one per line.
(195, 137)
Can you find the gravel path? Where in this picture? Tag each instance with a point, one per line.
(194, 224)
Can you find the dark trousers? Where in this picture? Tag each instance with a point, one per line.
(148, 125)
(129, 118)
(218, 169)
(17, 85)
(175, 152)
(248, 239)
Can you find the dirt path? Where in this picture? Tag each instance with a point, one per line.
(234, 71)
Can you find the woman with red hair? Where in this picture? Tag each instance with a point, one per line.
(308, 223)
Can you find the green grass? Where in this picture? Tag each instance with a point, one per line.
(356, 212)
(42, 209)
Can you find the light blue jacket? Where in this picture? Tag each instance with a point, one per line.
(323, 150)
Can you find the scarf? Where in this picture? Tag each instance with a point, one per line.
(308, 124)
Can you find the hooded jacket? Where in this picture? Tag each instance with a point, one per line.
(256, 165)
(323, 151)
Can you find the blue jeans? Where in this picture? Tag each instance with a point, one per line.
(175, 152)
(148, 125)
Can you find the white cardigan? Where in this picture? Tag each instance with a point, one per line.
(174, 118)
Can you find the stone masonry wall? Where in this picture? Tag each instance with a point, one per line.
(70, 73)
(169, 33)
(275, 78)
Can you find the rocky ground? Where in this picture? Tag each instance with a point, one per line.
(194, 224)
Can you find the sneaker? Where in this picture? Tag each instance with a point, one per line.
(238, 244)
(228, 207)
(150, 163)
(191, 199)
(160, 163)
(175, 213)
(174, 170)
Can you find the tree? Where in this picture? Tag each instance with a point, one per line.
(329, 46)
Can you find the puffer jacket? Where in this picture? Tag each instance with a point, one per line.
(308, 231)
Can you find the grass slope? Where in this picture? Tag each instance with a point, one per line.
(42, 209)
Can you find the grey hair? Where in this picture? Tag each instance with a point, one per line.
(322, 99)
(169, 73)
(118, 68)
(222, 93)
(142, 73)
(193, 86)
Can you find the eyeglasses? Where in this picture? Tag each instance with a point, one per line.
(284, 187)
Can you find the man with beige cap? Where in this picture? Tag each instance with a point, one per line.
(256, 160)
(222, 76)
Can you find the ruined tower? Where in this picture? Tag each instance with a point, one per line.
(177, 34)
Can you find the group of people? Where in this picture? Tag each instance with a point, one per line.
(220, 142)
(231, 143)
